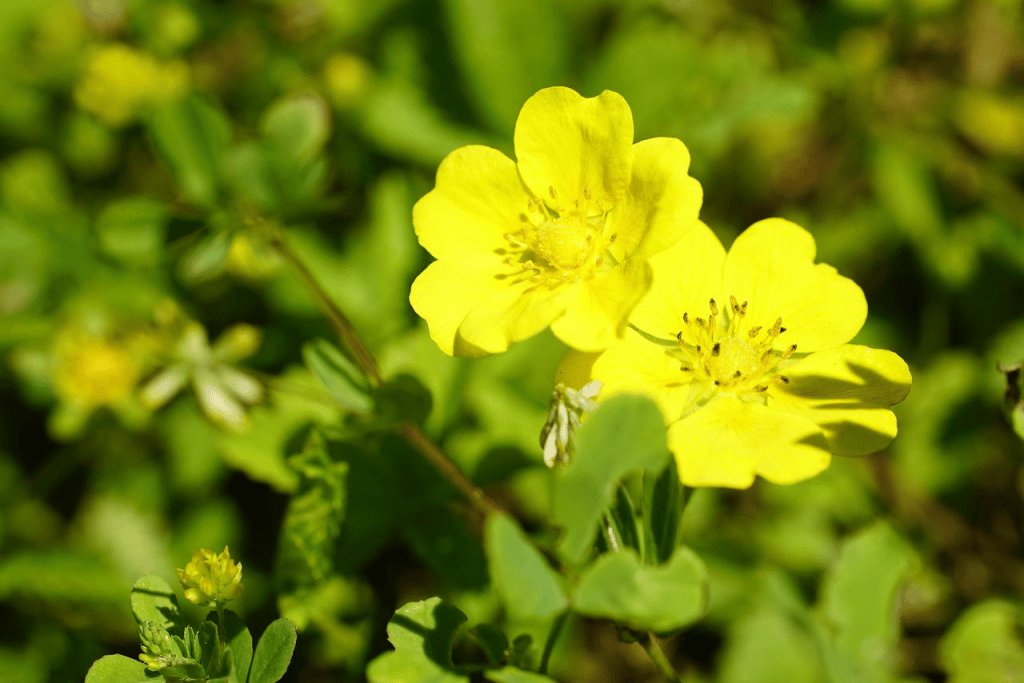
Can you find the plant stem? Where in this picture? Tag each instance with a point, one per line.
(549, 645)
(410, 431)
(657, 655)
(220, 631)
(415, 437)
(346, 333)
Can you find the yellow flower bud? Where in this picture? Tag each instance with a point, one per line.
(209, 579)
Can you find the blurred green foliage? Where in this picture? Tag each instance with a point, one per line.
(152, 152)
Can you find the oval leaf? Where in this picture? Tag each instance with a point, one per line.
(528, 586)
(120, 669)
(273, 653)
(153, 600)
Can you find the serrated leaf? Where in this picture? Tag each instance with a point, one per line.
(422, 635)
(313, 519)
(153, 600)
(663, 598)
(338, 374)
(273, 652)
(529, 587)
(120, 669)
(624, 434)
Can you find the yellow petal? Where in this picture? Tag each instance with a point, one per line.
(512, 314)
(576, 369)
(662, 202)
(847, 391)
(727, 442)
(571, 144)
(686, 276)
(771, 265)
(598, 316)
(637, 366)
(444, 294)
(478, 198)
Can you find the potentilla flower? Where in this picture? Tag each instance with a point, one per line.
(559, 237)
(746, 354)
(209, 579)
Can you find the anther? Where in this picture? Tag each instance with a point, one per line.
(737, 374)
(781, 330)
(679, 337)
(754, 331)
(551, 191)
(701, 322)
(686, 318)
(716, 349)
(714, 307)
(611, 238)
(586, 194)
(734, 304)
(789, 352)
(686, 368)
(782, 378)
(761, 387)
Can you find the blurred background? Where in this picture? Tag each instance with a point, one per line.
(150, 149)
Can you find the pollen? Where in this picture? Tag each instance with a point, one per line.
(564, 244)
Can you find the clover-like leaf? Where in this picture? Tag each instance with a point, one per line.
(422, 635)
(153, 600)
(273, 652)
(120, 669)
(660, 598)
(528, 586)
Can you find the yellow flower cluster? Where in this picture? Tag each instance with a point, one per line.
(746, 353)
(118, 83)
(209, 579)
(90, 371)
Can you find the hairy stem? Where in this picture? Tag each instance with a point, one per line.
(410, 431)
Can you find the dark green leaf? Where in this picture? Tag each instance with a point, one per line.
(120, 669)
(273, 652)
(624, 434)
(338, 374)
(153, 600)
(422, 635)
(664, 498)
(402, 398)
(625, 521)
(663, 598)
(529, 587)
(239, 644)
(492, 640)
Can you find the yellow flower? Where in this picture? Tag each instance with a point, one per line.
(560, 237)
(209, 579)
(746, 354)
(91, 371)
(119, 83)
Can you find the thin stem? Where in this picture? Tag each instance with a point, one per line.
(549, 645)
(220, 631)
(415, 437)
(346, 333)
(657, 655)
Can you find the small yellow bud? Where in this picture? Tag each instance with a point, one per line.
(209, 579)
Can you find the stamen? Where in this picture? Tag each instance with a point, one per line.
(782, 378)
(754, 331)
(686, 318)
(737, 374)
(761, 387)
(789, 352)
(714, 307)
(716, 349)
(734, 304)
(551, 191)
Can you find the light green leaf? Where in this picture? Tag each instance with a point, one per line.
(339, 375)
(984, 645)
(192, 137)
(296, 128)
(273, 652)
(422, 635)
(625, 433)
(766, 646)
(206, 258)
(529, 587)
(663, 598)
(859, 596)
(120, 669)
(510, 674)
(132, 230)
(153, 600)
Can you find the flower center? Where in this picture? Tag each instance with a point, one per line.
(558, 244)
(727, 354)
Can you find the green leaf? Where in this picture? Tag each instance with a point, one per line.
(273, 652)
(402, 398)
(153, 600)
(313, 519)
(206, 259)
(132, 230)
(624, 434)
(296, 128)
(766, 646)
(510, 674)
(422, 635)
(984, 645)
(339, 375)
(492, 640)
(529, 587)
(508, 50)
(663, 598)
(859, 595)
(623, 517)
(239, 643)
(664, 497)
(120, 669)
(192, 137)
